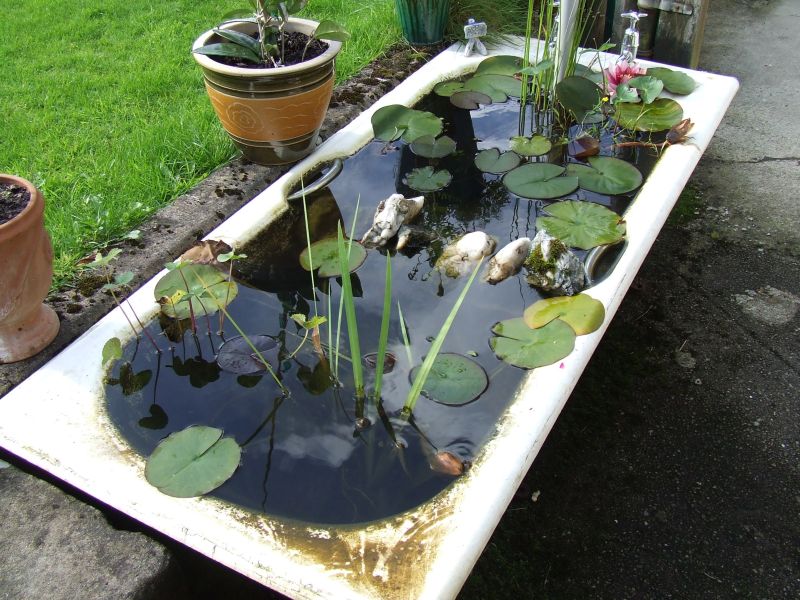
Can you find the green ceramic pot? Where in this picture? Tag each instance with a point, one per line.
(423, 21)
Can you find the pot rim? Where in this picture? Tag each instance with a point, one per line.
(306, 26)
(34, 208)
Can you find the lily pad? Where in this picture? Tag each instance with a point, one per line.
(581, 312)
(130, 381)
(582, 224)
(649, 87)
(448, 88)
(192, 462)
(389, 122)
(325, 257)
(539, 67)
(469, 99)
(536, 145)
(606, 175)
(521, 346)
(540, 180)
(578, 95)
(661, 114)
(675, 82)
(396, 120)
(493, 161)
(422, 124)
(454, 380)
(431, 147)
(112, 350)
(194, 289)
(503, 64)
(624, 93)
(497, 87)
(236, 355)
(426, 179)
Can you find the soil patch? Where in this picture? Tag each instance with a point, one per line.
(13, 200)
(294, 52)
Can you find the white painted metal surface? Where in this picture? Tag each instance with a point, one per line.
(56, 419)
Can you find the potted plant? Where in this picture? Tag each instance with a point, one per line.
(270, 78)
(26, 325)
(423, 21)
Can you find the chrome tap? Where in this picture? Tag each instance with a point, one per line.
(630, 41)
(554, 36)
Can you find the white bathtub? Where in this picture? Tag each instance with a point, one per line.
(56, 419)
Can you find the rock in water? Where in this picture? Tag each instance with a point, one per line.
(391, 214)
(552, 267)
(508, 260)
(460, 258)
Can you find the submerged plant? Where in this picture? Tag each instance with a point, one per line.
(427, 365)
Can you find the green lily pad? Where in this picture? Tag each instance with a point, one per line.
(540, 180)
(469, 100)
(521, 346)
(493, 161)
(192, 462)
(503, 64)
(582, 224)
(193, 288)
(624, 93)
(497, 87)
(396, 120)
(431, 147)
(539, 67)
(389, 122)
(325, 257)
(448, 88)
(130, 381)
(581, 312)
(649, 87)
(422, 124)
(675, 82)
(112, 350)
(606, 175)
(536, 145)
(578, 95)
(661, 114)
(426, 179)
(454, 380)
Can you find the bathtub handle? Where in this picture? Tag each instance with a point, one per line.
(327, 177)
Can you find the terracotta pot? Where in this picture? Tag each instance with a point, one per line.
(272, 115)
(26, 270)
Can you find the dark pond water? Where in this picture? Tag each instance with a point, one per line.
(308, 456)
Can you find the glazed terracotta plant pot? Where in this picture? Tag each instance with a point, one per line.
(272, 115)
(26, 259)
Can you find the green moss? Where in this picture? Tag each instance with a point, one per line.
(687, 208)
(536, 262)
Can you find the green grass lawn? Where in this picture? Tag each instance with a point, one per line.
(104, 108)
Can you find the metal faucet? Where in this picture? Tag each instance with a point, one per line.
(630, 41)
(554, 37)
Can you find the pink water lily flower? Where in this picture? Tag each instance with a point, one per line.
(621, 72)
